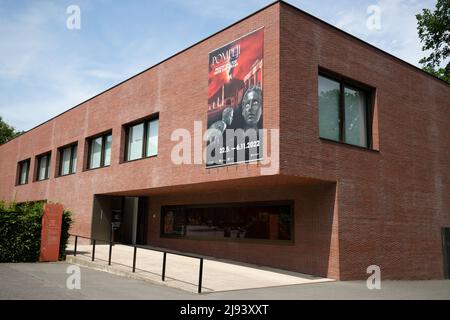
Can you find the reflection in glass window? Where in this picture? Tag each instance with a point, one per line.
(96, 153)
(343, 112)
(100, 151)
(135, 141)
(152, 138)
(263, 222)
(43, 167)
(355, 117)
(65, 168)
(108, 143)
(74, 158)
(142, 139)
(68, 162)
(329, 92)
(24, 169)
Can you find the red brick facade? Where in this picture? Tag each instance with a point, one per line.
(353, 207)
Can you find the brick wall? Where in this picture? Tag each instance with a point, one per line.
(354, 207)
(392, 203)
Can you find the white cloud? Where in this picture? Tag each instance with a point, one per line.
(50, 69)
(103, 74)
(34, 81)
(42, 76)
(398, 33)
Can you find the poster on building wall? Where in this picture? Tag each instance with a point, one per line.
(235, 101)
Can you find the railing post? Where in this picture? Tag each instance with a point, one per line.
(164, 267)
(134, 259)
(110, 252)
(93, 250)
(75, 248)
(200, 276)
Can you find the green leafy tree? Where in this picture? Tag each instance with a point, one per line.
(7, 132)
(434, 33)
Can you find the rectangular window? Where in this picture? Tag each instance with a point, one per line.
(135, 142)
(152, 138)
(344, 112)
(43, 167)
(24, 170)
(99, 151)
(329, 108)
(96, 152)
(107, 150)
(68, 160)
(142, 140)
(355, 117)
(237, 222)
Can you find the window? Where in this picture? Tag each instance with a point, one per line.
(343, 112)
(329, 108)
(67, 160)
(99, 151)
(142, 140)
(24, 169)
(135, 142)
(43, 167)
(237, 222)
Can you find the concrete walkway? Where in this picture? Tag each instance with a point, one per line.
(43, 281)
(183, 272)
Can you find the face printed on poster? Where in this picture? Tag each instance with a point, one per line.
(235, 101)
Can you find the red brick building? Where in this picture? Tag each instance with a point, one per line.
(358, 175)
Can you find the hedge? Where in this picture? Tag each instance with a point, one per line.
(20, 231)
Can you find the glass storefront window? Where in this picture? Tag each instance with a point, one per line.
(261, 222)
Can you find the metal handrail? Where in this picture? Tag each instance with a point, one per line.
(164, 251)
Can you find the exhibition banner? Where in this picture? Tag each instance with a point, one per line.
(235, 101)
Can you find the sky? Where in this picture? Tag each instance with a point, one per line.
(47, 68)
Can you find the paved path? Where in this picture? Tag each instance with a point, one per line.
(48, 281)
(183, 272)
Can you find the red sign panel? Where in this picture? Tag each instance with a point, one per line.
(51, 232)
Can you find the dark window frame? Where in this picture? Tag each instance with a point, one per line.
(445, 249)
(47, 167)
(104, 136)
(127, 128)
(345, 82)
(19, 173)
(72, 170)
(290, 203)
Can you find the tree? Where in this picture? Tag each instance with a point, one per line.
(434, 33)
(7, 132)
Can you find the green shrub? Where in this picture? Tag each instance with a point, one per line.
(65, 226)
(20, 231)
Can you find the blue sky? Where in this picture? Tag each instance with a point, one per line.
(46, 68)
